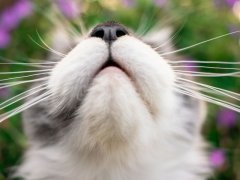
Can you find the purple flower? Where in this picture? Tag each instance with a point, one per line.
(161, 3)
(11, 17)
(129, 3)
(218, 158)
(227, 117)
(231, 2)
(9, 20)
(69, 8)
(5, 38)
(23, 8)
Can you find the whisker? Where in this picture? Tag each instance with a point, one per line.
(47, 48)
(200, 43)
(219, 90)
(20, 77)
(55, 20)
(197, 88)
(20, 95)
(44, 47)
(172, 37)
(210, 90)
(12, 62)
(25, 106)
(146, 25)
(28, 64)
(203, 62)
(21, 82)
(30, 71)
(18, 98)
(206, 74)
(207, 98)
(141, 25)
(24, 64)
(56, 52)
(80, 23)
(226, 91)
(206, 67)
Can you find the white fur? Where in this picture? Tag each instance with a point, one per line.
(73, 74)
(126, 127)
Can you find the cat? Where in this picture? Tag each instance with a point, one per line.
(109, 110)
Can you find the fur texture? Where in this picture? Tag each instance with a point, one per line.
(115, 124)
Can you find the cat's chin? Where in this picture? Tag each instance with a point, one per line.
(111, 115)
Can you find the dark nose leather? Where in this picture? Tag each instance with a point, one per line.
(109, 31)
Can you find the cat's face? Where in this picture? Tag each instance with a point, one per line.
(107, 67)
(110, 91)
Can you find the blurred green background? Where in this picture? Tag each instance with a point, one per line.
(193, 21)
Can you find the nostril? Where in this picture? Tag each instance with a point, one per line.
(98, 33)
(109, 31)
(120, 33)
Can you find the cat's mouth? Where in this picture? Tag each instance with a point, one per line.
(110, 63)
(111, 66)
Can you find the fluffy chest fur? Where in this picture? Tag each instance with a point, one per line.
(142, 164)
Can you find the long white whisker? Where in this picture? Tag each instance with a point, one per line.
(203, 62)
(12, 62)
(32, 71)
(25, 106)
(20, 95)
(24, 64)
(20, 77)
(226, 91)
(173, 37)
(140, 24)
(207, 67)
(23, 97)
(206, 74)
(30, 64)
(49, 50)
(147, 25)
(55, 20)
(58, 19)
(212, 90)
(22, 82)
(63, 55)
(37, 65)
(198, 88)
(219, 90)
(208, 98)
(197, 44)
(81, 25)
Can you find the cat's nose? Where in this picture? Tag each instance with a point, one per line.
(109, 31)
